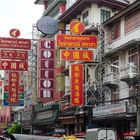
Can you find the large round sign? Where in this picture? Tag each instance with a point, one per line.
(77, 27)
(14, 33)
(47, 25)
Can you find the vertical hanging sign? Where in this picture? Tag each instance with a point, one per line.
(77, 95)
(13, 88)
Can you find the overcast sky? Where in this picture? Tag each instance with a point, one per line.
(20, 14)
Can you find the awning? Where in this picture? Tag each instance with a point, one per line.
(130, 133)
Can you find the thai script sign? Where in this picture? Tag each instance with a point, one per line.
(109, 110)
(15, 43)
(76, 55)
(76, 41)
(77, 96)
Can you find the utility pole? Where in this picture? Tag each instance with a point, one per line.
(138, 110)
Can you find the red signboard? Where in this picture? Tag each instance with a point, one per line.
(13, 87)
(15, 43)
(75, 55)
(21, 88)
(76, 41)
(0, 83)
(13, 54)
(46, 66)
(13, 65)
(14, 32)
(77, 95)
(77, 27)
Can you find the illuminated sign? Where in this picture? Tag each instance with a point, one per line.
(76, 55)
(77, 27)
(77, 95)
(76, 41)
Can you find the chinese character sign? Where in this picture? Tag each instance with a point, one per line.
(77, 95)
(76, 55)
(13, 90)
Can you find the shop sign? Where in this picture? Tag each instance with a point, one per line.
(13, 87)
(47, 25)
(14, 54)
(15, 43)
(13, 65)
(77, 27)
(109, 110)
(77, 96)
(44, 115)
(46, 66)
(14, 32)
(76, 41)
(46, 74)
(76, 55)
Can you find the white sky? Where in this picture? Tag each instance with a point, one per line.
(19, 14)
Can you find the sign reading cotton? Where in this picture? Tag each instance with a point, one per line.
(47, 25)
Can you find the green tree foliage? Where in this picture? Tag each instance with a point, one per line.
(15, 128)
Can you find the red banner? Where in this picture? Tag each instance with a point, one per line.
(15, 43)
(77, 95)
(76, 41)
(13, 87)
(75, 55)
(14, 54)
(13, 65)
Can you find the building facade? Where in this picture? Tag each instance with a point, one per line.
(92, 13)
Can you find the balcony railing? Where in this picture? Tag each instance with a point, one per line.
(111, 78)
(130, 71)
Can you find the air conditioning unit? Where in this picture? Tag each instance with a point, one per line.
(132, 109)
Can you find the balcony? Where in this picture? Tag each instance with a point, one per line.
(111, 79)
(131, 109)
(53, 6)
(129, 72)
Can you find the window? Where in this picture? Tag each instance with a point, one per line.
(115, 95)
(133, 56)
(114, 31)
(105, 15)
(85, 18)
(132, 21)
(115, 62)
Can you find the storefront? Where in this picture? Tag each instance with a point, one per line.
(67, 120)
(113, 116)
(45, 119)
